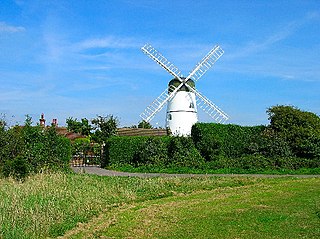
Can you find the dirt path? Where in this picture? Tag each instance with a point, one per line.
(105, 172)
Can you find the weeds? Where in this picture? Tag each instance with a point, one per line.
(48, 205)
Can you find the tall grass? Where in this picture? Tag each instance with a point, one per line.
(48, 205)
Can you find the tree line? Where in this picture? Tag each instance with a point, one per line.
(292, 138)
(291, 141)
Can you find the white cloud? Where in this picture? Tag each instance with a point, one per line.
(106, 42)
(283, 33)
(4, 27)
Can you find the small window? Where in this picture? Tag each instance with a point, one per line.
(170, 117)
(191, 105)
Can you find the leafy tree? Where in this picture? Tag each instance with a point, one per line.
(73, 125)
(85, 127)
(31, 149)
(81, 146)
(144, 125)
(301, 129)
(82, 127)
(105, 127)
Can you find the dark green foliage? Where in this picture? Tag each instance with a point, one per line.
(32, 149)
(145, 125)
(82, 127)
(105, 127)
(271, 144)
(43, 148)
(183, 153)
(81, 146)
(151, 152)
(101, 129)
(213, 140)
(260, 163)
(290, 142)
(122, 150)
(17, 168)
(73, 125)
(301, 129)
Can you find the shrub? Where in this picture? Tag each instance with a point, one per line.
(301, 129)
(213, 140)
(32, 149)
(81, 146)
(270, 144)
(17, 168)
(183, 153)
(121, 150)
(151, 152)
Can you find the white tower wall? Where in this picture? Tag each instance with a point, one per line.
(182, 113)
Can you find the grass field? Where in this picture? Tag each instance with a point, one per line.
(83, 206)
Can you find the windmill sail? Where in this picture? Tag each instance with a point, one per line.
(210, 108)
(149, 113)
(161, 60)
(205, 64)
(182, 97)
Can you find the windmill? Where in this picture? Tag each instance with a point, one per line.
(181, 95)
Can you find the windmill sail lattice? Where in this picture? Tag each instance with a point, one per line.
(157, 105)
(161, 60)
(210, 108)
(181, 95)
(205, 64)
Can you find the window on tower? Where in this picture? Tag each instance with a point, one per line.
(191, 105)
(170, 117)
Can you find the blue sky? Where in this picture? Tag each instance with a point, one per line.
(82, 58)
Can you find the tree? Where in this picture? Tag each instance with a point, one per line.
(145, 125)
(83, 127)
(105, 127)
(301, 129)
(73, 125)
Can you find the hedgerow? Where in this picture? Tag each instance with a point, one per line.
(231, 141)
(290, 142)
(151, 152)
(29, 149)
(121, 150)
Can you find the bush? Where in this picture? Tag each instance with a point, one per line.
(231, 141)
(17, 168)
(32, 149)
(151, 152)
(301, 129)
(45, 149)
(122, 150)
(183, 153)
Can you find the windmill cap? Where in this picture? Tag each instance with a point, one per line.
(175, 82)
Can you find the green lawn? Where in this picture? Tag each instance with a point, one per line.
(83, 206)
(272, 208)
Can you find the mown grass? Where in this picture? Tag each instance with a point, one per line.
(204, 170)
(49, 205)
(268, 208)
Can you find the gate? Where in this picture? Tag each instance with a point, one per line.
(86, 160)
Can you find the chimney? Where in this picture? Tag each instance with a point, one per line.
(42, 120)
(54, 122)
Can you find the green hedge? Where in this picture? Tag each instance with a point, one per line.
(32, 149)
(151, 151)
(231, 141)
(211, 146)
(260, 163)
(121, 150)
